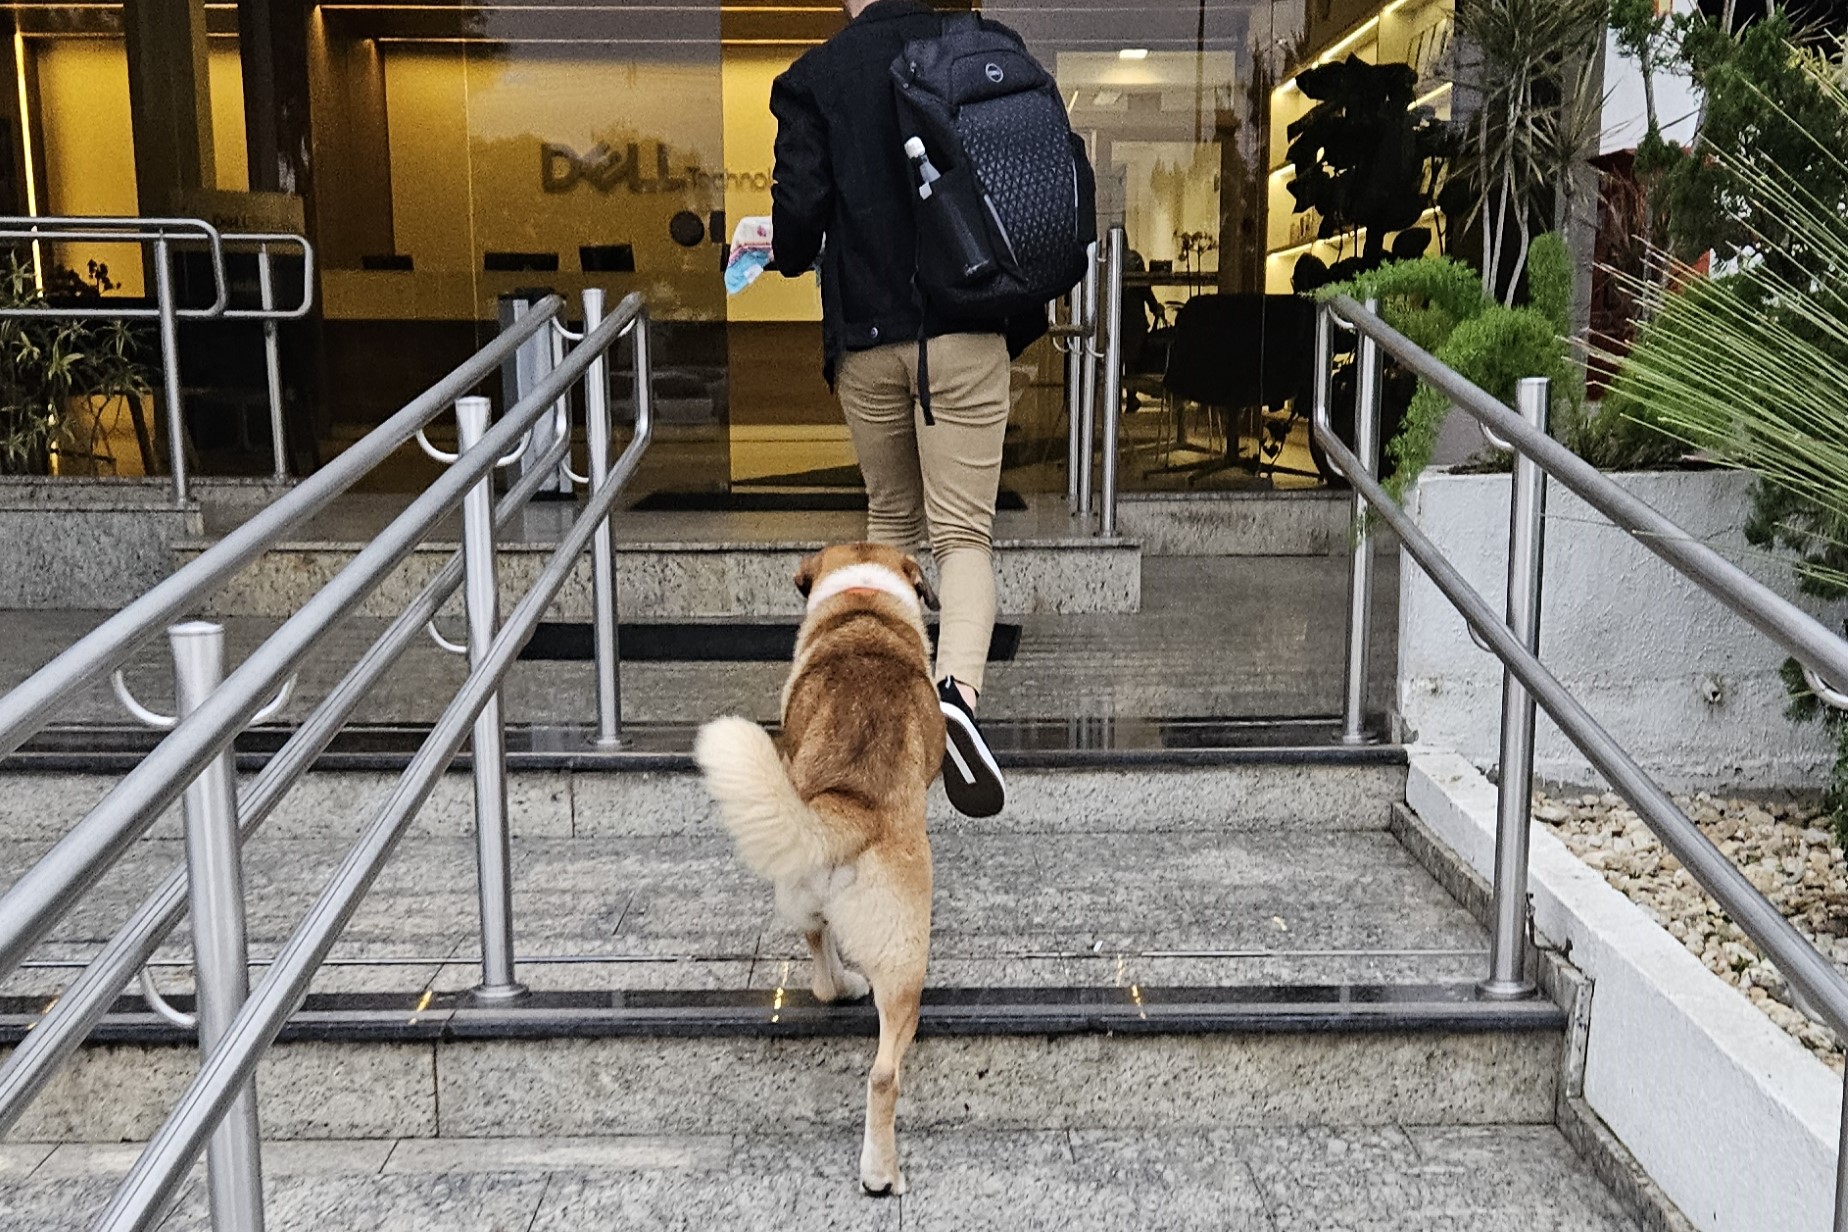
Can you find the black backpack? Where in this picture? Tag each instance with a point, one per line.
(1005, 229)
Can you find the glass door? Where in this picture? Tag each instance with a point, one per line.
(1174, 99)
(499, 152)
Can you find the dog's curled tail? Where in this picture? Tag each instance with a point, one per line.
(777, 833)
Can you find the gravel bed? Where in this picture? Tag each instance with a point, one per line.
(1784, 849)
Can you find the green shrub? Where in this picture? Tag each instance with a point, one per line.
(1439, 303)
(1495, 349)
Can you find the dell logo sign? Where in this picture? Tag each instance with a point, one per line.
(995, 74)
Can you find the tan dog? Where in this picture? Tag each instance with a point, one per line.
(835, 817)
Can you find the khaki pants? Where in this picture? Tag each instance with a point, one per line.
(936, 481)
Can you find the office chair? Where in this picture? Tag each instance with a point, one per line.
(1243, 354)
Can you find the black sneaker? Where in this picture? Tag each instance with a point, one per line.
(970, 777)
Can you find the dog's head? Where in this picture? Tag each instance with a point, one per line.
(863, 566)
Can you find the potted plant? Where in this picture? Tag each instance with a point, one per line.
(1369, 164)
(58, 375)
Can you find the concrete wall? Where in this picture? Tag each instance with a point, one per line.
(1691, 690)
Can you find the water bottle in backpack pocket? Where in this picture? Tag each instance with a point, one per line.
(951, 229)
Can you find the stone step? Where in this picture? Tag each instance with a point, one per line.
(1221, 938)
(627, 881)
(1119, 924)
(692, 580)
(1240, 638)
(561, 788)
(677, 913)
(1267, 867)
(1493, 1178)
(1307, 522)
(460, 1078)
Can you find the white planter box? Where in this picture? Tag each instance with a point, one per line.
(1689, 689)
(1735, 1120)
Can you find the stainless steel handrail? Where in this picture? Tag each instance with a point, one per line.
(34, 1061)
(263, 241)
(162, 234)
(211, 717)
(1092, 343)
(63, 230)
(1115, 255)
(87, 850)
(150, 1185)
(1818, 985)
(272, 317)
(34, 702)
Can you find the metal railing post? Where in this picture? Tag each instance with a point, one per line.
(1087, 406)
(170, 366)
(1514, 793)
(561, 421)
(526, 370)
(602, 551)
(481, 601)
(221, 960)
(1074, 397)
(1360, 580)
(1115, 256)
(272, 363)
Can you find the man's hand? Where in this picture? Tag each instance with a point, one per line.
(751, 253)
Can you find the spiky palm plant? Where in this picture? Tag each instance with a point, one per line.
(1537, 66)
(1751, 367)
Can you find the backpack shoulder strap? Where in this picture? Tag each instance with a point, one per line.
(954, 23)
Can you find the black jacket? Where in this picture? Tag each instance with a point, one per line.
(841, 173)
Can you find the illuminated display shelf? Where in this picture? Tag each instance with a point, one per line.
(1405, 31)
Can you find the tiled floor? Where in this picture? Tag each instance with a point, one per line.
(1413, 1179)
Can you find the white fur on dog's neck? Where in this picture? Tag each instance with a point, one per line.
(865, 576)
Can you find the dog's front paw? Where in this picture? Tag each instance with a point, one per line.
(852, 987)
(880, 1178)
(881, 1186)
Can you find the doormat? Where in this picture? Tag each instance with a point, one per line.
(570, 642)
(758, 500)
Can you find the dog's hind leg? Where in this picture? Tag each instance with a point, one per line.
(883, 925)
(801, 904)
(898, 996)
(881, 919)
(832, 981)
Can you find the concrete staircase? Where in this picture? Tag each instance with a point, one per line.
(1171, 987)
